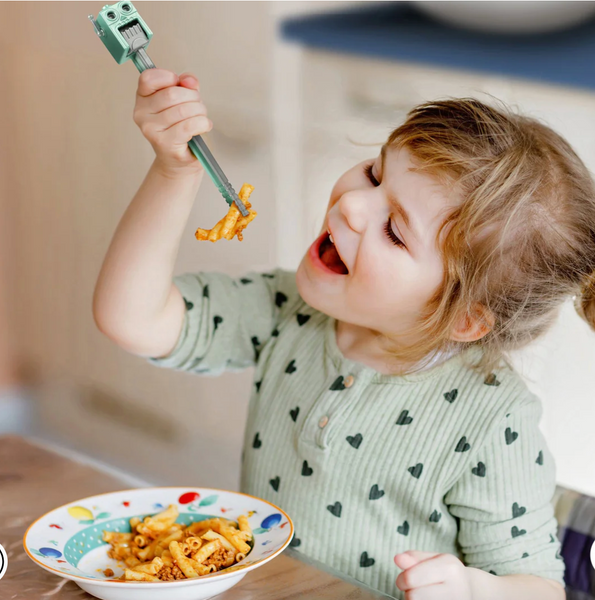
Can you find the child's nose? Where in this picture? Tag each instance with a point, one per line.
(355, 207)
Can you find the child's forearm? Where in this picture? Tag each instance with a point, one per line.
(134, 302)
(513, 587)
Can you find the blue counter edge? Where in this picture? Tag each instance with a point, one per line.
(397, 31)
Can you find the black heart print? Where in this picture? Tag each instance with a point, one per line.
(552, 539)
(295, 542)
(217, 320)
(404, 419)
(416, 471)
(355, 440)
(302, 319)
(205, 291)
(376, 493)
(491, 380)
(539, 460)
(518, 511)
(365, 561)
(291, 368)
(258, 384)
(335, 509)
(257, 443)
(516, 532)
(525, 555)
(268, 275)
(451, 396)
(435, 517)
(280, 299)
(306, 470)
(462, 446)
(294, 412)
(245, 280)
(493, 573)
(275, 483)
(510, 436)
(403, 529)
(479, 470)
(275, 333)
(189, 305)
(337, 384)
(255, 341)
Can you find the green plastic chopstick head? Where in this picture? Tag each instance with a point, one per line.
(112, 21)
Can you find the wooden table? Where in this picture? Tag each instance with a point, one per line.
(34, 480)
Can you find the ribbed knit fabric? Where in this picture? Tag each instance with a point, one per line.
(370, 465)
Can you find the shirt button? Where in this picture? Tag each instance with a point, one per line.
(349, 381)
(323, 422)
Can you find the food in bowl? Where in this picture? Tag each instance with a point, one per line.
(159, 549)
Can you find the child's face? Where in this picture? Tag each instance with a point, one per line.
(378, 274)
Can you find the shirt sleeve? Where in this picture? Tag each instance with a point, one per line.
(228, 321)
(503, 502)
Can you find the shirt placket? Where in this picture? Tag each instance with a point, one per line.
(340, 390)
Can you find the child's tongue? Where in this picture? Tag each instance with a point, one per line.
(330, 257)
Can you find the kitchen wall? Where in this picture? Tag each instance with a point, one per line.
(7, 361)
(75, 159)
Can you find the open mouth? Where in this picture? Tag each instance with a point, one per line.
(330, 257)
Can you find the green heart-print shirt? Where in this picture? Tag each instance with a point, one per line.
(370, 465)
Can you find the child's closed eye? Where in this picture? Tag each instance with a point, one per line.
(388, 226)
(370, 175)
(392, 236)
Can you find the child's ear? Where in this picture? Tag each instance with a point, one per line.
(473, 325)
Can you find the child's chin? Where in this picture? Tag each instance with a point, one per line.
(312, 293)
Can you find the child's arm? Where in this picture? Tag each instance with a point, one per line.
(506, 519)
(135, 302)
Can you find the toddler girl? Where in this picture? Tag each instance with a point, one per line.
(385, 417)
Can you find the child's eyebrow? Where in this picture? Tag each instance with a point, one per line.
(399, 207)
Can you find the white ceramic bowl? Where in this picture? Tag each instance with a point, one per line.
(68, 542)
(510, 17)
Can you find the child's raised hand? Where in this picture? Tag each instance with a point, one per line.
(169, 112)
(433, 576)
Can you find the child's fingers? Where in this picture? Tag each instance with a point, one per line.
(153, 107)
(181, 112)
(163, 98)
(171, 138)
(178, 135)
(408, 559)
(153, 80)
(169, 113)
(190, 81)
(404, 561)
(412, 557)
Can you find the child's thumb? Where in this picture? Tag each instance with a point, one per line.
(188, 80)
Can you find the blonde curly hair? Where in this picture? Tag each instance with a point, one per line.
(521, 241)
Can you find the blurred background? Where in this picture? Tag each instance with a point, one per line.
(298, 92)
